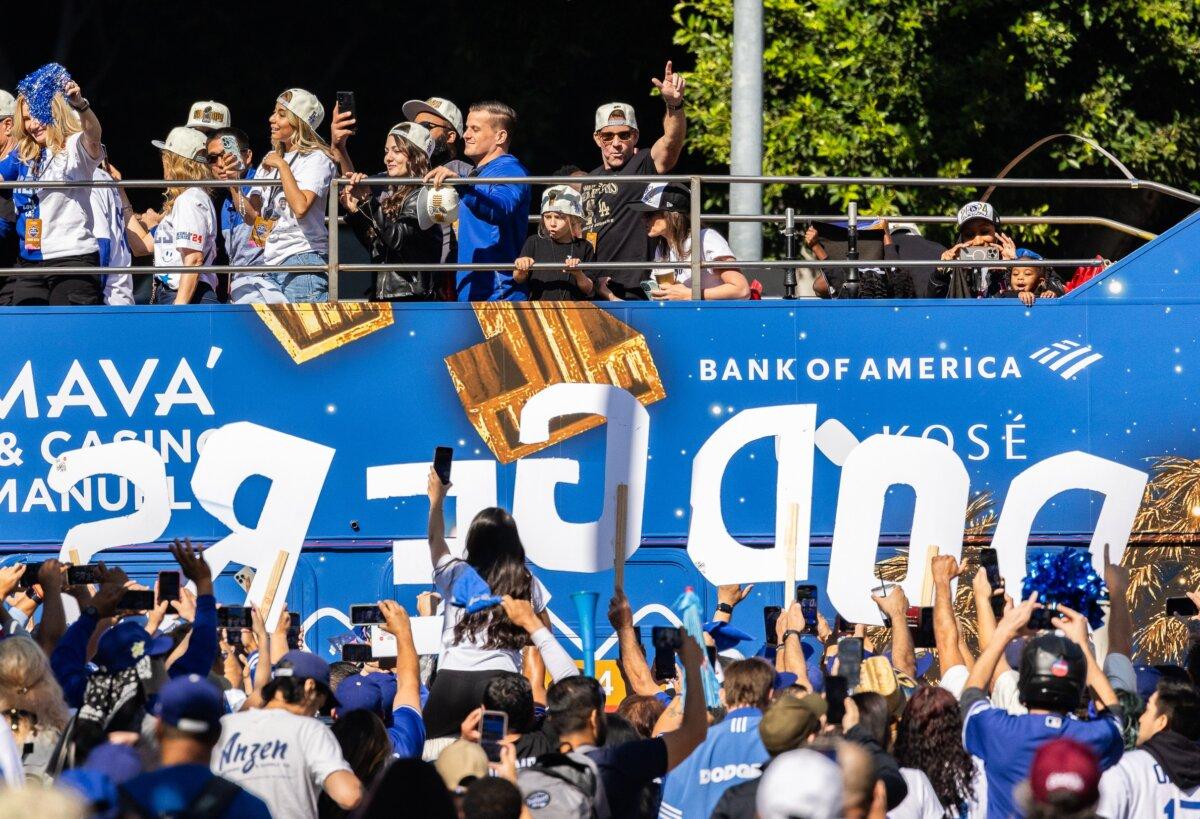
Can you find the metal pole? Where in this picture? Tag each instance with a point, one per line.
(697, 255)
(746, 144)
(789, 236)
(332, 211)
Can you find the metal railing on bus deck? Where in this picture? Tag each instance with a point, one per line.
(696, 265)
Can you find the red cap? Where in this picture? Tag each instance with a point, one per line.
(1064, 765)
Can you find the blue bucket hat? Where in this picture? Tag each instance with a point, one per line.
(471, 592)
(725, 636)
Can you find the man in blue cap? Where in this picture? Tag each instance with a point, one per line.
(189, 711)
(279, 752)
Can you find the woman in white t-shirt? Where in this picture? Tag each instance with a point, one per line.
(54, 225)
(475, 647)
(665, 210)
(289, 220)
(186, 236)
(929, 750)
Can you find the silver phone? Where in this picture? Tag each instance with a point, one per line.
(230, 144)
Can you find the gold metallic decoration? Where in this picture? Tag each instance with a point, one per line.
(309, 330)
(531, 345)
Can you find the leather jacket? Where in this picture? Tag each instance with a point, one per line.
(402, 241)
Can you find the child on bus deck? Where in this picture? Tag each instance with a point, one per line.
(557, 242)
(1028, 283)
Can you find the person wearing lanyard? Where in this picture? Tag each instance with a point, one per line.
(54, 225)
(289, 220)
(187, 234)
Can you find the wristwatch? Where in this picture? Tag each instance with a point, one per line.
(724, 608)
(790, 632)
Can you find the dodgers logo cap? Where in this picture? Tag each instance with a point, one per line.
(416, 134)
(976, 210)
(190, 703)
(305, 105)
(185, 142)
(437, 106)
(209, 115)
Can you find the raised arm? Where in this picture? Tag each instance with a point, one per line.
(408, 665)
(633, 662)
(202, 641)
(87, 118)
(1075, 627)
(1009, 627)
(54, 619)
(945, 624)
(341, 128)
(791, 646)
(1120, 621)
(895, 605)
(665, 152)
(558, 662)
(437, 518)
(692, 730)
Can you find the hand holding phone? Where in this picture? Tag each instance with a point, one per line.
(366, 614)
(493, 728)
(82, 575)
(850, 658)
(168, 586)
(836, 691)
(345, 104)
(667, 641)
(770, 624)
(136, 600)
(234, 617)
(443, 457)
(356, 653)
(806, 596)
(1181, 607)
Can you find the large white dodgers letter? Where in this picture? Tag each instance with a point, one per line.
(550, 541)
(1028, 493)
(942, 485)
(134, 461)
(296, 469)
(719, 557)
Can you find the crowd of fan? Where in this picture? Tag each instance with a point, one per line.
(281, 227)
(160, 712)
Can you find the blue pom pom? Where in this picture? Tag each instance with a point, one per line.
(1067, 577)
(39, 88)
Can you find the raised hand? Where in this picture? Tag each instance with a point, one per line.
(341, 127)
(191, 559)
(671, 86)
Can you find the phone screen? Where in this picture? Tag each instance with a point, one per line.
(1180, 606)
(806, 596)
(234, 617)
(1040, 619)
(987, 559)
(493, 727)
(136, 600)
(923, 634)
(356, 653)
(664, 664)
(345, 101)
(770, 620)
(365, 614)
(31, 574)
(443, 456)
(82, 575)
(293, 634)
(168, 586)
(850, 657)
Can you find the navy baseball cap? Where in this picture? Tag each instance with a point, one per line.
(126, 643)
(360, 694)
(190, 703)
(304, 665)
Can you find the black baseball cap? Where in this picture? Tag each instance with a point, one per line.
(663, 197)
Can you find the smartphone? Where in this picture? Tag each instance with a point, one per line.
(356, 653)
(1040, 619)
(664, 664)
(233, 636)
(493, 728)
(998, 605)
(990, 565)
(82, 575)
(806, 596)
(442, 458)
(836, 691)
(168, 586)
(667, 637)
(843, 626)
(229, 145)
(345, 102)
(850, 657)
(923, 633)
(293, 633)
(245, 578)
(770, 621)
(31, 574)
(711, 652)
(365, 614)
(234, 617)
(136, 600)
(650, 287)
(1181, 606)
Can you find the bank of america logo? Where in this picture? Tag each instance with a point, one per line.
(1067, 358)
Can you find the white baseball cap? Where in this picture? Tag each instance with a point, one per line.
(616, 113)
(208, 115)
(976, 210)
(188, 143)
(305, 105)
(439, 108)
(562, 199)
(437, 206)
(415, 133)
(8, 104)
(804, 783)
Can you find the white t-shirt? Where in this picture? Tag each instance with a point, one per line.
(191, 225)
(313, 171)
(921, 801)
(280, 757)
(715, 247)
(1136, 787)
(108, 216)
(66, 213)
(469, 655)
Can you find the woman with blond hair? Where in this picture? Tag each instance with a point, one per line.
(289, 220)
(187, 234)
(54, 225)
(31, 702)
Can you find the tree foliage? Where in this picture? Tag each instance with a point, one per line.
(954, 88)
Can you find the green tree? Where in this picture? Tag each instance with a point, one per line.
(958, 88)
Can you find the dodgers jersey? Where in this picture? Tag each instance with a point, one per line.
(731, 753)
(1138, 786)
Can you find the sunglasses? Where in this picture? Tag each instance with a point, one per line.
(213, 159)
(608, 136)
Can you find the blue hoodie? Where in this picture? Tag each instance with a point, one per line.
(493, 221)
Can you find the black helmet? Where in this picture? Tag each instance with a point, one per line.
(1053, 673)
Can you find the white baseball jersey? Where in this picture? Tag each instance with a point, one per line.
(191, 225)
(1137, 787)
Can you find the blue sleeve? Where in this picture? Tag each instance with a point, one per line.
(202, 645)
(105, 251)
(407, 733)
(1106, 740)
(248, 806)
(494, 203)
(979, 726)
(10, 166)
(69, 659)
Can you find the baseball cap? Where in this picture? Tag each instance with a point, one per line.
(209, 115)
(661, 196)
(788, 720)
(126, 643)
(304, 665)
(1064, 765)
(360, 693)
(566, 200)
(8, 104)
(185, 142)
(438, 107)
(804, 783)
(437, 206)
(461, 760)
(976, 210)
(415, 133)
(305, 105)
(190, 703)
(616, 113)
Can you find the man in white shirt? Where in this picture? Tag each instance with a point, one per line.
(1162, 776)
(280, 753)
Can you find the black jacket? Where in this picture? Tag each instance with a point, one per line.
(885, 765)
(401, 241)
(1177, 755)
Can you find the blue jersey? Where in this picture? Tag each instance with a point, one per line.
(1006, 743)
(493, 221)
(172, 790)
(731, 753)
(407, 733)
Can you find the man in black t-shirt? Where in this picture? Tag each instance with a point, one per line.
(618, 233)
